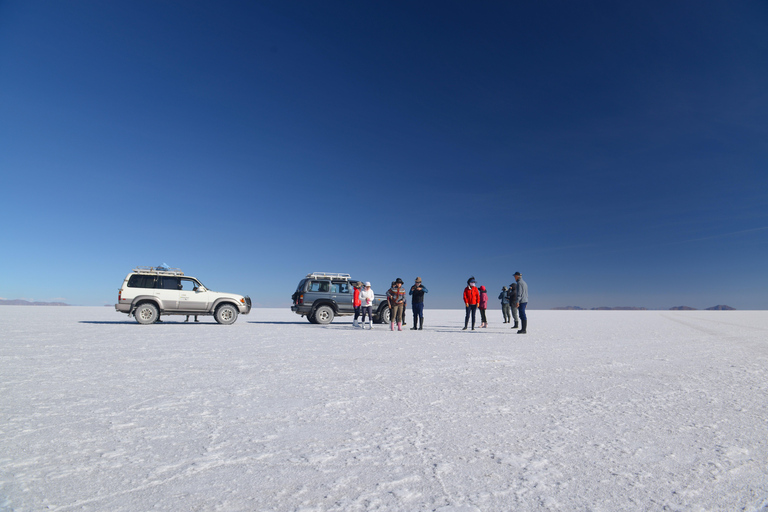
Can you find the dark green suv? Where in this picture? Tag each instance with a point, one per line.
(321, 296)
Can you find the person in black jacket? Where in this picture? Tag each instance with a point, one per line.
(417, 292)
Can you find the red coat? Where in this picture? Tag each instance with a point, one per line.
(471, 295)
(356, 297)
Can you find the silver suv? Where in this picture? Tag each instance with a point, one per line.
(149, 292)
(321, 296)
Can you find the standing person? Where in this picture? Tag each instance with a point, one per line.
(505, 304)
(356, 302)
(396, 299)
(512, 294)
(521, 301)
(417, 292)
(366, 300)
(471, 299)
(483, 306)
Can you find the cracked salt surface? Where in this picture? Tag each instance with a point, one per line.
(592, 410)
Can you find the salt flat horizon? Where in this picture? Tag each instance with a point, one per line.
(591, 410)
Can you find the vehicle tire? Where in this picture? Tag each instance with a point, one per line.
(311, 319)
(324, 315)
(385, 315)
(146, 314)
(226, 314)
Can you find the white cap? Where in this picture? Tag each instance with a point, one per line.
(367, 283)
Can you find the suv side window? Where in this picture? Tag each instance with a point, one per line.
(319, 286)
(170, 283)
(141, 281)
(188, 285)
(340, 287)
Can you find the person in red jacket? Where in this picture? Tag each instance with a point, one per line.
(471, 300)
(356, 302)
(483, 306)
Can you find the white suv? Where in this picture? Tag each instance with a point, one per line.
(149, 292)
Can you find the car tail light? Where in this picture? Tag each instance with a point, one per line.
(119, 295)
(301, 299)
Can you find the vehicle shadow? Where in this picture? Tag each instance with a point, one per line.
(104, 322)
(280, 323)
(117, 322)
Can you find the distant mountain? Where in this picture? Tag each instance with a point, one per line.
(604, 308)
(620, 308)
(633, 308)
(20, 302)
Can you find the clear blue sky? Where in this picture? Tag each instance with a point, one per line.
(615, 153)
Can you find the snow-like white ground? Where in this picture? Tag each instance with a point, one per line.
(592, 410)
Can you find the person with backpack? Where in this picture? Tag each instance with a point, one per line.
(396, 300)
(417, 292)
(512, 294)
(505, 310)
(483, 305)
(471, 300)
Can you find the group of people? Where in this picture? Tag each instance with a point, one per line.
(363, 303)
(514, 299)
(516, 296)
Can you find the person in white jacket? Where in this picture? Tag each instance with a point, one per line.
(366, 305)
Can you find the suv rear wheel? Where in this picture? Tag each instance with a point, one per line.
(226, 314)
(385, 316)
(324, 315)
(146, 314)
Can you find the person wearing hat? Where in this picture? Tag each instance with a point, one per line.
(396, 300)
(417, 292)
(366, 305)
(505, 304)
(521, 301)
(512, 294)
(471, 300)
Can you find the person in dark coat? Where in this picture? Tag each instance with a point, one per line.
(504, 298)
(512, 294)
(417, 304)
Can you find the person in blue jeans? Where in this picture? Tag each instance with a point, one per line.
(521, 301)
(417, 292)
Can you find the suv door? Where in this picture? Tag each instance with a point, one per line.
(341, 293)
(168, 291)
(192, 297)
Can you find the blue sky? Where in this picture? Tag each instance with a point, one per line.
(615, 153)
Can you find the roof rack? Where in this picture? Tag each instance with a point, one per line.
(327, 275)
(161, 271)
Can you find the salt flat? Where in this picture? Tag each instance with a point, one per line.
(592, 410)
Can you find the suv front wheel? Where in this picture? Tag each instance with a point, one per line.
(324, 315)
(226, 314)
